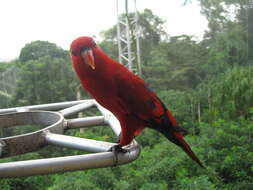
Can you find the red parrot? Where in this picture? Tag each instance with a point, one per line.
(124, 94)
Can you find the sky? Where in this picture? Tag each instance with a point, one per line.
(61, 21)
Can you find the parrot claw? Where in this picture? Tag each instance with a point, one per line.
(117, 149)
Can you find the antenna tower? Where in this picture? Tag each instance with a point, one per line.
(128, 35)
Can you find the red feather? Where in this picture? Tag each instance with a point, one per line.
(125, 95)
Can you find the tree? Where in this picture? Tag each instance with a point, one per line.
(8, 82)
(230, 31)
(235, 92)
(38, 49)
(46, 75)
(176, 63)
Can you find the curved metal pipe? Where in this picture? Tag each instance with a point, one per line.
(87, 145)
(50, 106)
(68, 163)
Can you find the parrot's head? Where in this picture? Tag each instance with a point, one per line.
(81, 50)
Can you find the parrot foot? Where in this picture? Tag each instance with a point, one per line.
(117, 149)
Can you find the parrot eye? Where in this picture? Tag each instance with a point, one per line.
(85, 49)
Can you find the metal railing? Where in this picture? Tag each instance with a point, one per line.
(52, 134)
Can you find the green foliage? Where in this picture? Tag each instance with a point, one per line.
(179, 103)
(109, 44)
(4, 184)
(229, 152)
(93, 179)
(8, 77)
(20, 129)
(230, 32)
(175, 64)
(45, 77)
(39, 49)
(232, 92)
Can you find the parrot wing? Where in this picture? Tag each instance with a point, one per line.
(137, 99)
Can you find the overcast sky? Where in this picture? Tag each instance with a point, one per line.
(61, 21)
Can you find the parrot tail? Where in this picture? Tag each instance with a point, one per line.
(186, 148)
(175, 135)
(167, 125)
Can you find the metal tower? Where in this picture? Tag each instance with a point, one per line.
(128, 35)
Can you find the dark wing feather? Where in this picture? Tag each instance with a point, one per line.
(139, 100)
(134, 95)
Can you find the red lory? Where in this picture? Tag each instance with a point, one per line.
(125, 94)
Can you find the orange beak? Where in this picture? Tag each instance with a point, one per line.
(88, 57)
